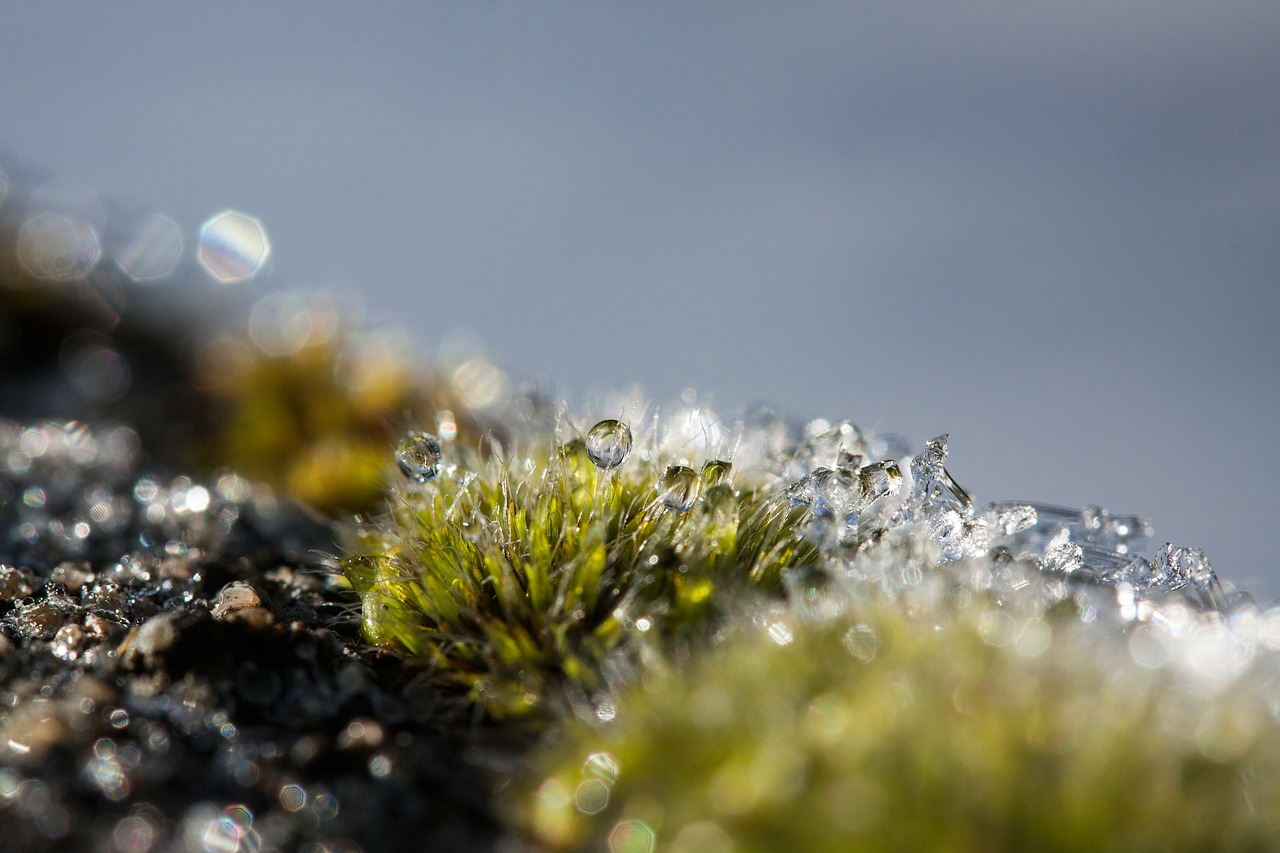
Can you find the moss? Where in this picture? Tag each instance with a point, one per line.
(315, 421)
(519, 576)
(943, 723)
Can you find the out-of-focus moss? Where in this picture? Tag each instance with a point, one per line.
(922, 725)
(316, 421)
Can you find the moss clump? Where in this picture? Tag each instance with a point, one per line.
(522, 577)
(937, 720)
(315, 420)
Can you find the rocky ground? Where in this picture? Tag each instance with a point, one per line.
(181, 669)
(181, 666)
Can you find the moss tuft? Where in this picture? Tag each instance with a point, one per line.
(521, 576)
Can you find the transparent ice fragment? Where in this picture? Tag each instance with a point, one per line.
(847, 461)
(1008, 519)
(830, 447)
(1107, 566)
(928, 463)
(1122, 533)
(1175, 568)
(825, 492)
(959, 536)
(1065, 558)
(608, 444)
(418, 456)
(933, 484)
(678, 487)
(878, 480)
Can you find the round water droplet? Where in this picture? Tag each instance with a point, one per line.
(715, 472)
(678, 487)
(418, 456)
(608, 444)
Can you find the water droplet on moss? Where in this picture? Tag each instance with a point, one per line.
(608, 444)
(418, 456)
(715, 472)
(678, 487)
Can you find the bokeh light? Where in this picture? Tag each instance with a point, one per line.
(481, 384)
(631, 836)
(58, 248)
(99, 371)
(152, 249)
(283, 323)
(233, 246)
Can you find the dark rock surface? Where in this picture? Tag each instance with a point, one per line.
(181, 669)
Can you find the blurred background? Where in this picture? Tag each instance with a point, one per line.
(1051, 230)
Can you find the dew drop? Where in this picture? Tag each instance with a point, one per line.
(715, 472)
(678, 487)
(418, 456)
(608, 444)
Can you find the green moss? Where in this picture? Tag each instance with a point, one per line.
(518, 575)
(315, 422)
(944, 722)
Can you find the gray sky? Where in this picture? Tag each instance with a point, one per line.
(1052, 230)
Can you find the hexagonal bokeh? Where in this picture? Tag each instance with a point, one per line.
(151, 250)
(592, 796)
(631, 836)
(59, 248)
(233, 246)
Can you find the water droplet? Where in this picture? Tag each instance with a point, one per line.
(678, 487)
(608, 444)
(67, 642)
(715, 472)
(418, 456)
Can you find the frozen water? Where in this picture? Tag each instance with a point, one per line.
(877, 480)
(1064, 558)
(933, 485)
(828, 446)
(825, 492)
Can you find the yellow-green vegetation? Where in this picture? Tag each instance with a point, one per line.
(521, 576)
(315, 420)
(940, 719)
